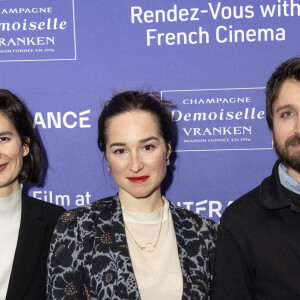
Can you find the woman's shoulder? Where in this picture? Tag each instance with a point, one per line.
(44, 212)
(45, 207)
(197, 221)
(90, 211)
(84, 219)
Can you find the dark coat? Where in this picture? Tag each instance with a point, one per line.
(258, 244)
(89, 257)
(28, 276)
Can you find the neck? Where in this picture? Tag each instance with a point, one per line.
(147, 204)
(294, 174)
(7, 191)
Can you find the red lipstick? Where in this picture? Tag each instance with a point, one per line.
(139, 179)
(3, 166)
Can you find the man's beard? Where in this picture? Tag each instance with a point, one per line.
(288, 157)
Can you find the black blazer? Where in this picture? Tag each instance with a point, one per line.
(29, 270)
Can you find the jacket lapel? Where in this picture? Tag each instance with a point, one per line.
(114, 278)
(28, 250)
(181, 244)
(127, 284)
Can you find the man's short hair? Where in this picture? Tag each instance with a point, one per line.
(290, 69)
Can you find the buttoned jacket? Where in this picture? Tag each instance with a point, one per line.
(89, 256)
(28, 275)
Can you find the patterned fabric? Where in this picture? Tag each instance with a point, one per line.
(89, 257)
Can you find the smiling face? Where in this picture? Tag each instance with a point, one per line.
(137, 154)
(286, 125)
(11, 157)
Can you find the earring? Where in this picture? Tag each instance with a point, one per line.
(108, 168)
(168, 161)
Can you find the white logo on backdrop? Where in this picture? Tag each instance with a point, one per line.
(34, 33)
(68, 119)
(220, 119)
(214, 208)
(62, 199)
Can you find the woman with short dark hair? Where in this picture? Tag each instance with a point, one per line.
(137, 244)
(26, 224)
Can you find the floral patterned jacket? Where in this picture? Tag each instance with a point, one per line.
(89, 257)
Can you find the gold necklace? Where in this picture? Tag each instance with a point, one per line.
(149, 247)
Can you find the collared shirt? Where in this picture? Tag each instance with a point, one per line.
(287, 181)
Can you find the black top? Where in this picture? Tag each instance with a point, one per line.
(258, 245)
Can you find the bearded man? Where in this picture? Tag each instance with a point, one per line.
(258, 246)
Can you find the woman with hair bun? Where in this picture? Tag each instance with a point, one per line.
(26, 224)
(136, 244)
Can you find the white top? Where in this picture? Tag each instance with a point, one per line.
(10, 219)
(158, 273)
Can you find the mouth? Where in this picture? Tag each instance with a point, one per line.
(139, 179)
(295, 145)
(293, 141)
(3, 166)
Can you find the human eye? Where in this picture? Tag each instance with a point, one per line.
(287, 114)
(119, 151)
(4, 138)
(149, 147)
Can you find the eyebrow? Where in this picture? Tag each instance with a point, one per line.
(116, 145)
(140, 141)
(283, 107)
(6, 133)
(148, 139)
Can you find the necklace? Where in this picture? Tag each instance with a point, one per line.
(149, 247)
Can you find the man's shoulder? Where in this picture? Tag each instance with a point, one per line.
(247, 200)
(247, 206)
(252, 202)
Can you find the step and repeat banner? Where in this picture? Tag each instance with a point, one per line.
(212, 59)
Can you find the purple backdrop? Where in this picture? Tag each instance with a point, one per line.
(212, 59)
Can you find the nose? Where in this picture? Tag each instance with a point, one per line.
(297, 126)
(136, 163)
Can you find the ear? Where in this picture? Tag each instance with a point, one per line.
(169, 150)
(26, 146)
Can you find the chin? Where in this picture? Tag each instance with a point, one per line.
(142, 193)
